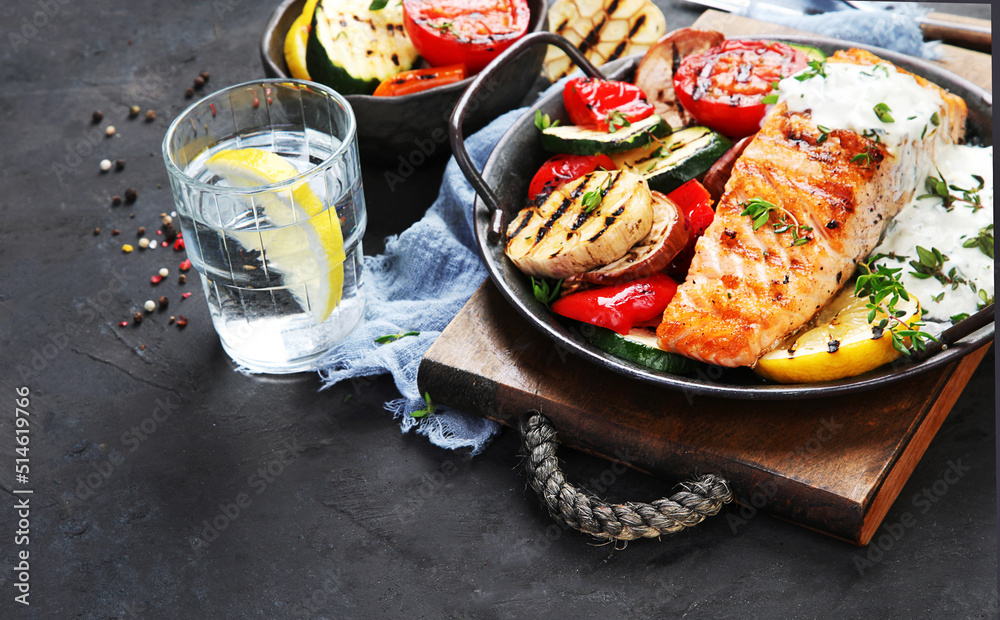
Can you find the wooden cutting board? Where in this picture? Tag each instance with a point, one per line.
(833, 464)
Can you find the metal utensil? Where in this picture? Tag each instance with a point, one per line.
(959, 30)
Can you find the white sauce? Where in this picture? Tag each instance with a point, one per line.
(925, 222)
(846, 99)
(847, 96)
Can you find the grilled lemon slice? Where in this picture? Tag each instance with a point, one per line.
(842, 344)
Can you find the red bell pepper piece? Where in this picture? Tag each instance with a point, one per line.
(622, 306)
(419, 80)
(696, 203)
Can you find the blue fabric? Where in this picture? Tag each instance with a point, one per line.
(428, 272)
(425, 276)
(896, 30)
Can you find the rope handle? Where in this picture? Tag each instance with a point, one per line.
(584, 511)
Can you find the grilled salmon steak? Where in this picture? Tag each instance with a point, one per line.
(834, 161)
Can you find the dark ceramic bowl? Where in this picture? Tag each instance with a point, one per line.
(518, 154)
(394, 127)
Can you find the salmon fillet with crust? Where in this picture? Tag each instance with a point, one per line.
(748, 289)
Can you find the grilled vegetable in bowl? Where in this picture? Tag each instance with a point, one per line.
(343, 52)
(471, 32)
(413, 125)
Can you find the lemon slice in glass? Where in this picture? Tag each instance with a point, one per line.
(842, 344)
(305, 243)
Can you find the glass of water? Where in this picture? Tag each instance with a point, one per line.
(267, 183)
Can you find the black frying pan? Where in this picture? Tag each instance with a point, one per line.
(503, 185)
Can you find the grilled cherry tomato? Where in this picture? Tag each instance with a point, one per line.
(723, 86)
(563, 169)
(694, 200)
(420, 79)
(474, 32)
(604, 103)
(620, 307)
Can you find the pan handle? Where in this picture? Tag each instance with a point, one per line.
(472, 93)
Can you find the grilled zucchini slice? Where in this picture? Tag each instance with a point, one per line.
(677, 158)
(582, 141)
(812, 53)
(639, 346)
(604, 30)
(353, 49)
(586, 223)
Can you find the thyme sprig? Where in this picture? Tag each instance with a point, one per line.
(592, 199)
(931, 265)
(545, 292)
(394, 337)
(983, 241)
(760, 210)
(543, 122)
(428, 410)
(937, 187)
(617, 120)
(881, 285)
(816, 68)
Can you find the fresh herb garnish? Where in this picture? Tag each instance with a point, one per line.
(985, 299)
(937, 187)
(592, 199)
(935, 119)
(419, 413)
(378, 5)
(872, 134)
(543, 292)
(617, 120)
(443, 27)
(816, 67)
(543, 122)
(769, 99)
(984, 241)
(882, 112)
(883, 289)
(865, 157)
(759, 210)
(823, 135)
(955, 318)
(394, 337)
(931, 265)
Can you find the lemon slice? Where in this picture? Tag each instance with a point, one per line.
(842, 344)
(295, 42)
(305, 245)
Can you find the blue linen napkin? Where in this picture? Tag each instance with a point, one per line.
(896, 29)
(426, 275)
(431, 269)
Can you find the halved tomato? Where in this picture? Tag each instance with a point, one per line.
(723, 86)
(473, 32)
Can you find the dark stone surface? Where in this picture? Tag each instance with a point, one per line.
(141, 435)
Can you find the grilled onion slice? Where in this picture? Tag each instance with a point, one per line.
(655, 73)
(666, 238)
(584, 224)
